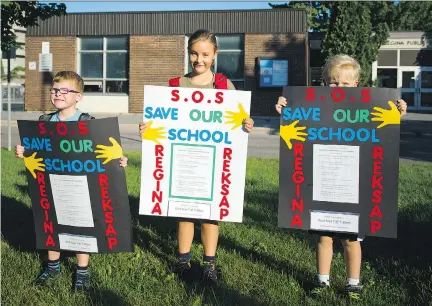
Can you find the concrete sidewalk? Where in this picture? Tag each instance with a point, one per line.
(419, 124)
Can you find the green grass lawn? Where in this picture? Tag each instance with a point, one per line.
(260, 263)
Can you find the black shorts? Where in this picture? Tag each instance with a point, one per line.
(342, 236)
(204, 221)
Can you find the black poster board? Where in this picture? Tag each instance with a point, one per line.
(77, 187)
(339, 160)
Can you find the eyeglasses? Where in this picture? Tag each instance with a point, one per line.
(63, 91)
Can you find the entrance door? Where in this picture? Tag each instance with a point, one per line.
(408, 82)
(415, 84)
(425, 88)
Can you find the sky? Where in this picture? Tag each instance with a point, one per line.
(117, 6)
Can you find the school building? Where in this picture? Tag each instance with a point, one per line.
(259, 50)
(118, 53)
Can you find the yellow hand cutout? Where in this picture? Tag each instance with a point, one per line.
(290, 132)
(154, 133)
(32, 164)
(236, 118)
(391, 116)
(109, 152)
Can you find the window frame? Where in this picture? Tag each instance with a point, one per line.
(104, 52)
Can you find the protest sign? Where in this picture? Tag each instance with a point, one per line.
(339, 160)
(77, 187)
(194, 153)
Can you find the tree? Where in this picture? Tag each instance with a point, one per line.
(317, 12)
(414, 16)
(354, 28)
(359, 29)
(24, 14)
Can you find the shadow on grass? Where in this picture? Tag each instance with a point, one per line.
(17, 225)
(22, 188)
(302, 277)
(165, 230)
(265, 219)
(105, 297)
(262, 212)
(222, 295)
(407, 258)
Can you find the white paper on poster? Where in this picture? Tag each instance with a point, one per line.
(198, 158)
(336, 173)
(186, 209)
(334, 221)
(72, 200)
(192, 171)
(78, 243)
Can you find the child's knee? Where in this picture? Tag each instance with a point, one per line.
(348, 244)
(209, 226)
(325, 240)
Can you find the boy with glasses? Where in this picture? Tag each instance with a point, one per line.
(66, 92)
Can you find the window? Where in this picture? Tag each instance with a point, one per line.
(421, 58)
(387, 77)
(426, 79)
(426, 99)
(387, 58)
(104, 64)
(230, 59)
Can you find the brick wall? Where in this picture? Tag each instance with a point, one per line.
(291, 46)
(37, 84)
(153, 61)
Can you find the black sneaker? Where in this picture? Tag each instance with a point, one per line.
(183, 270)
(82, 282)
(354, 292)
(319, 289)
(47, 274)
(210, 274)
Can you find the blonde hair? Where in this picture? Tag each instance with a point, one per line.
(202, 35)
(70, 76)
(335, 64)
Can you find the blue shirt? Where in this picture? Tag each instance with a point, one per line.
(74, 117)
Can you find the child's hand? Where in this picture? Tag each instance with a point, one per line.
(142, 128)
(123, 161)
(19, 151)
(282, 102)
(402, 107)
(248, 124)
